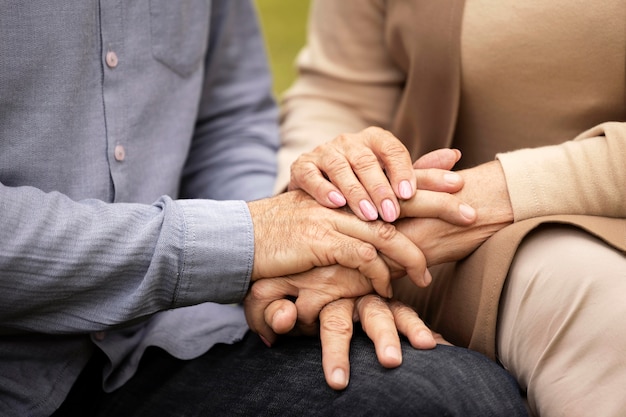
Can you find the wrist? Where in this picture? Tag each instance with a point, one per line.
(486, 191)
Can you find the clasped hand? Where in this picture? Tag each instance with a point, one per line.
(336, 260)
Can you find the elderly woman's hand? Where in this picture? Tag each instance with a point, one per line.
(371, 171)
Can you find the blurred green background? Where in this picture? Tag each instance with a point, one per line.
(284, 27)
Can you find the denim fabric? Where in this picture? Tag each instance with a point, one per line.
(249, 379)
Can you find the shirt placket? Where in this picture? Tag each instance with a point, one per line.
(114, 100)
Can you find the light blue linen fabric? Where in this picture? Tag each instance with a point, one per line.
(121, 124)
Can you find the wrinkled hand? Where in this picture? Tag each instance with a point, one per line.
(382, 320)
(371, 171)
(293, 233)
(485, 190)
(269, 314)
(312, 290)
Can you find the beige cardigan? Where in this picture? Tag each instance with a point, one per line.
(489, 77)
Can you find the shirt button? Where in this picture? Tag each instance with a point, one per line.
(99, 336)
(111, 59)
(119, 153)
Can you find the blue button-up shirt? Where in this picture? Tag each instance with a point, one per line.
(121, 125)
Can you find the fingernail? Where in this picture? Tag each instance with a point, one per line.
(339, 378)
(337, 199)
(406, 191)
(393, 353)
(264, 340)
(468, 212)
(427, 278)
(389, 211)
(277, 315)
(452, 178)
(368, 210)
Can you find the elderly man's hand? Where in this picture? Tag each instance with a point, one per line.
(383, 320)
(311, 290)
(293, 233)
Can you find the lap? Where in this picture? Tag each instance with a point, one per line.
(248, 378)
(561, 323)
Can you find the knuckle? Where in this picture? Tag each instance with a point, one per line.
(402, 311)
(335, 324)
(367, 252)
(386, 231)
(373, 308)
(303, 159)
(365, 161)
(380, 190)
(319, 188)
(375, 131)
(353, 189)
(394, 149)
(343, 138)
(257, 292)
(336, 163)
(297, 171)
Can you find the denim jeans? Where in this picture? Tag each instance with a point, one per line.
(249, 379)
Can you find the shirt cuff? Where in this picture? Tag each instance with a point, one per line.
(218, 252)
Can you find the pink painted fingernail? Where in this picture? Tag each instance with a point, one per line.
(337, 199)
(406, 191)
(389, 211)
(368, 210)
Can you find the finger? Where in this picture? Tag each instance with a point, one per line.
(441, 158)
(328, 175)
(368, 183)
(309, 305)
(384, 168)
(438, 180)
(440, 340)
(335, 335)
(348, 167)
(261, 294)
(409, 324)
(306, 175)
(378, 323)
(440, 205)
(323, 286)
(356, 254)
(281, 315)
(396, 160)
(391, 243)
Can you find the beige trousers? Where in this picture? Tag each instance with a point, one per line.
(562, 324)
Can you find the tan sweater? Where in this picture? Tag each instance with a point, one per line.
(541, 86)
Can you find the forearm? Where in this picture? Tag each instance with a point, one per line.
(83, 266)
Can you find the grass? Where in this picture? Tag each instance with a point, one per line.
(284, 28)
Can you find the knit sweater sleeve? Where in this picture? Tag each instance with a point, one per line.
(583, 176)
